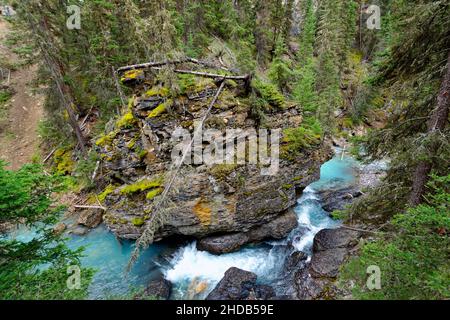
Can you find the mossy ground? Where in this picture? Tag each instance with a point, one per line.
(63, 162)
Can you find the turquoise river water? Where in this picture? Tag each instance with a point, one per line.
(194, 273)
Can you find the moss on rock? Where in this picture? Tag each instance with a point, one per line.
(160, 109)
(137, 222)
(106, 139)
(127, 121)
(153, 193)
(107, 191)
(142, 185)
(63, 161)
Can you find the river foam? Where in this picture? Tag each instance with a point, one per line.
(190, 267)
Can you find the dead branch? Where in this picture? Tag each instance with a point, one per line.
(90, 207)
(167, 62)
(208, 75)
(97, 165)
(119, 90)
(360, 230)
(156, 219)
(49, 155)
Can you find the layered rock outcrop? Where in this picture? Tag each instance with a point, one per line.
(207, 199)
(278, 228)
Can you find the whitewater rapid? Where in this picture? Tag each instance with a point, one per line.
(195, 273)
(191, 269)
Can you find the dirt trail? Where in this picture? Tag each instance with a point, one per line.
(18, 137)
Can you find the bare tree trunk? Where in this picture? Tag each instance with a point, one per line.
(437, 122)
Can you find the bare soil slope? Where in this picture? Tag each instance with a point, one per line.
(18, 136)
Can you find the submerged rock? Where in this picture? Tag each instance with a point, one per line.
(278, 228)
(79, 231)
(59, 228)
(239, 284)
(296, 260)
(223, 244)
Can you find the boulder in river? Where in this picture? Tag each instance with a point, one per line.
(295, 261)
(159, 289)
(338, 198)
(6, 227)
(59, 228)
(239, 284)
(278, 228)
(331, 248)
(327, 239)
(91, 218)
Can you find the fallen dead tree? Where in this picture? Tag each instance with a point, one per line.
(158, 210)
(208, 75)
(157, 66)
(168, 62)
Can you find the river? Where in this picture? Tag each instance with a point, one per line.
(195, 273)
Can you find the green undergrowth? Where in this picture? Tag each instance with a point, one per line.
(412, 257)
(297, 139)
(269, 93)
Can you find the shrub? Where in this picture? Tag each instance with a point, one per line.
(296, 139)
(414, 259)
(25, 195)
(269, 93)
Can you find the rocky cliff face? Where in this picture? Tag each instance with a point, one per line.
(206, 199)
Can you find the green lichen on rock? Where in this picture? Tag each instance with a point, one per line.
(107, 191)
(160, 109)
(127, 121)
(137, 222)
(106, 139)
(142, 185)
(132, 143)
(63, 161)
(141, 153)
(221, 171)
(153, 193)
(131, 75)
(287, 186)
